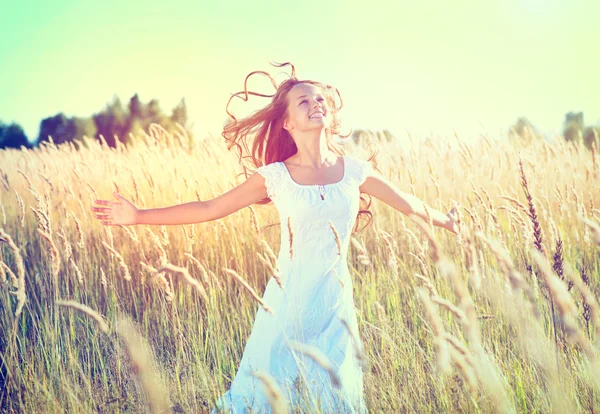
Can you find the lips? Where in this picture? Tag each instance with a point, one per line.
(317, 115)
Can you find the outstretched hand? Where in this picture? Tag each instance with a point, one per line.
(114, 213)
(453, 215)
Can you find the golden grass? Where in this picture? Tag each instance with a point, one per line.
(498, 320)
(277, 400)
(249, 288)
(87, 311)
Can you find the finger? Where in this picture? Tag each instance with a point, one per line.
(106, 223)
(101, 202)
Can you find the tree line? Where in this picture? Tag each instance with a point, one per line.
(574, 130)
(113, 120)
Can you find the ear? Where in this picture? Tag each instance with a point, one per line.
(286, 125)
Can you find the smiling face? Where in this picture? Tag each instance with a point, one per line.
(307, 109)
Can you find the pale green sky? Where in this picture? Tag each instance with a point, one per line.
(417, 65)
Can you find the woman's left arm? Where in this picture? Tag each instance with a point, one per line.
(377, 186)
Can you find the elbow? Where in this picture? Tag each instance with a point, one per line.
(207, 211)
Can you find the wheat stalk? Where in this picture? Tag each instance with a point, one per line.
(270, 268)
(537, 228)
(182, 271)
(161, 279)
(54, 254)
(291, 232)
(88, 311)
(120, 260)
(362, 257)
(270, 253)
(205, 273)
(158, 244)
(26, 178)
(249, 289)
(508, 268)
(448, 270)
(13, 278)
(81, 242)
(456, 311)
(67, 245)
(593, 226)
(254, 220)
(357, 344)
(144, 366)
(277, 401)
(435, 251)
(131, 233)
(21, 207)
(3, 214)
(336, 235)
(566, 306)
(465, 368)
(77, 271)
(441, 347)
(588, 297)
(429, 219)
(427, 283)
(516, 202)
(319, 357)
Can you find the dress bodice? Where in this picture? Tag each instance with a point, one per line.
(307, 211)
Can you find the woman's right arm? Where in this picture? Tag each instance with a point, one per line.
(243, 195)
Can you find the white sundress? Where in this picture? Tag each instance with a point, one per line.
(316, 295)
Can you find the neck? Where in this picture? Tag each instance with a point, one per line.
(313, 150)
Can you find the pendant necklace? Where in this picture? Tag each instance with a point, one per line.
(322, 191)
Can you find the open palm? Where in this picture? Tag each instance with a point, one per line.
(114, 213)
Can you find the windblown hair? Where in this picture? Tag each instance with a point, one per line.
(261, 139)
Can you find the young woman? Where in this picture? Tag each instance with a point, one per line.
(317, 193)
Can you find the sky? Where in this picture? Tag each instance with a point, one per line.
(426, 67)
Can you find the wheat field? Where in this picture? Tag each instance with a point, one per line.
(502, 317)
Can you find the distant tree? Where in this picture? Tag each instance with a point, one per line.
(366, 135)
(523, 131)
(84, 127)
(136, 107)
(592, 135)
(155, 115)
(63, 129)
(142, 115)
(179, 114)
(58, 126)
(573, 126)
(113, 120)
(13, 136)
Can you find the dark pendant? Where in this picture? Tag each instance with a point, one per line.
(322, 191)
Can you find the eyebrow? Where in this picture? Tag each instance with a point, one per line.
(304, 96)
